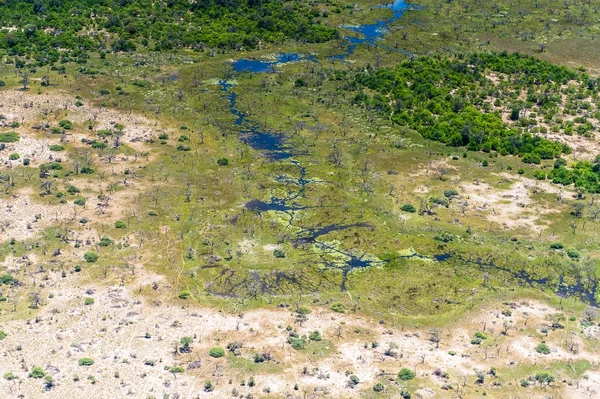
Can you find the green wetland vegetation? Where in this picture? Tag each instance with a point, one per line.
(408, 164)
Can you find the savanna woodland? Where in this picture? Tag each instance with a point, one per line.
(299, 199)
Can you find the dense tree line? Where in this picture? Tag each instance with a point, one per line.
(457, 102)
(39, 28)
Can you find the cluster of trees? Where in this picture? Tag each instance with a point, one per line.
(39, 28)
(456, 101)
(584, 174)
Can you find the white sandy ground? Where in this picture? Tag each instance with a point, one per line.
(111, 331)
(28, 108)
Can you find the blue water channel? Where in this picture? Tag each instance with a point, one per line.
(274, 146)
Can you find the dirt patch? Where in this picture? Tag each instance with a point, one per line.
(35, 149)
(512, 208)
(29, 108)
(21, 218)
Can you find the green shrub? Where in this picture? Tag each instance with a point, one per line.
(406, 374)
(2, 335)
(539, 174)
(278, 253)
(90, 257)
(119, 224)
(556, 245)
(66, 124)
(176, 369)
(7, 279)
(298, 343)
(208, 386)
(544, 378)
(480, 335)
(408, 208)
(303, 310)
(573, 253)
(532, 158)
(86, 361)
(79, 201)
(10, 376)
(37, 372)
(338, 307)
(9, 137)
(223, 162)
(14, 156)
(88, 301)
(184, 294)
(543, 349)
(315, 336)
(56, 147)
(354, 381)
(450, 193)
(105, 241)
(216, 352)
(444, 237)
(378, 387)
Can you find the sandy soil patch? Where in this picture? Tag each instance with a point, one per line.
(36, 150)
(26, 107)
(22, 218)
(512, 208)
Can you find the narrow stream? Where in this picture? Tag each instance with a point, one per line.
(274, 146)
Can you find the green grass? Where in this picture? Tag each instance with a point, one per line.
(9, 137)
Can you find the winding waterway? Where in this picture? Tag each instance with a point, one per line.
(274, 146)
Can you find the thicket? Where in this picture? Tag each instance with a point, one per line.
(491, 102)
(50, 30)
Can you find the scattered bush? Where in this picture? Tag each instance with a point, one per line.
(573, 253)
(90, 257)
(408, 208)
(278, 253)
(7, 279)
(450, 193)
(119, 224)
(66, 124)
(105, 241)
(406, 374)
(184, 294)
(216, 352)
(544, 378)
(315, 336)
(223, 162)
(88, 301)
(56, 147)
(338, 307)
(543, 349)
(37, 372)
(86, 361)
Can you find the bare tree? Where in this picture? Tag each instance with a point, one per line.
(435, 335)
